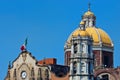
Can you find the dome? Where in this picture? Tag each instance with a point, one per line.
(98, 35)
(80, 33)
(88, 13)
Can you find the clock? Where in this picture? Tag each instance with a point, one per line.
(23, 74)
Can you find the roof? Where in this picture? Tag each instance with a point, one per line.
(98, 35)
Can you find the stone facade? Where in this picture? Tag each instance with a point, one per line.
(26, 67)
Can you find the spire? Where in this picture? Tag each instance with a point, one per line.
(89, 6)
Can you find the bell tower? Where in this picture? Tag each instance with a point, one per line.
(103, 47)
(81, 59)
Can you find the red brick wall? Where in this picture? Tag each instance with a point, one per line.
(97, 57)
(47, 61)
(67, 57)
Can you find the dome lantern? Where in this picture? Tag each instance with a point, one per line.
(89, 18)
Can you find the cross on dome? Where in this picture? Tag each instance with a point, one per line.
(89, 6)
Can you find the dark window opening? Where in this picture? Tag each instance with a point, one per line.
(105, 77)
(46, 74)
(89, 49)
(74, 67)
(39, 74)
(75, 48)
(14, 72)
(106, 61)
(89, 68)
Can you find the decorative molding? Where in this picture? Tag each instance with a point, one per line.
(24, 64)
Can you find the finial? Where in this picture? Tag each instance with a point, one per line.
(89, 6)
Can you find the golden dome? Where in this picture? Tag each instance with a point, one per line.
(98, 35)
(80, 33)
(89, 13)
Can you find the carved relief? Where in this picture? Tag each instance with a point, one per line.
(24, 55)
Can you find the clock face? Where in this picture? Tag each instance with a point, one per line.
(23, 74)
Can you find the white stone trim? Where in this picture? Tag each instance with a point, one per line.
(104, 49)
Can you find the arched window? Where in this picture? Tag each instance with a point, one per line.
(39, 74)
(15, 75)
(46, 74)
(32, 74)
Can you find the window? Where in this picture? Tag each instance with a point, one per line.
(14, 72)
(32, 74)
(74, 67)
(89, 49)
(15, 76)
(46, 74)
(89, 68)
(106, 61)
(39, 74)
(105, 77)
(75, 48)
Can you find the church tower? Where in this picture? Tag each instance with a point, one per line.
(81, 60)
(102, 48)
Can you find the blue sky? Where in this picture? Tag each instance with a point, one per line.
(48, 23)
